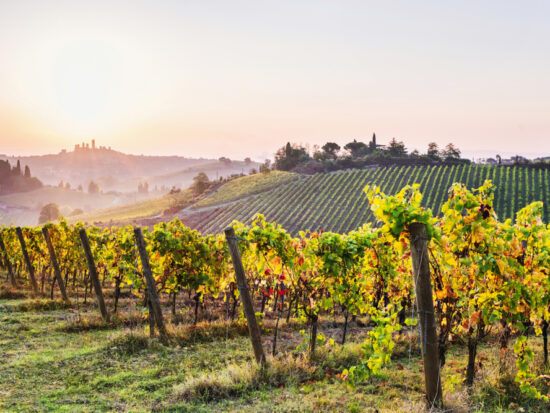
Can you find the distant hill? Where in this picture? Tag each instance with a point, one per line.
(184, 178)
(152, 208)
(168, 206)
(121, 178)
(83, 164)
(23, 208)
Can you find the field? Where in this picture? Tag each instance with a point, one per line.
(336, 201)
(23, 208)
(184, 178)
(332, 201)
(452, 309)
(59, 359)
(125, 214)
(246, 186)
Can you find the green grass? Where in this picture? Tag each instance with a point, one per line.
(49, 367)
(248, 185)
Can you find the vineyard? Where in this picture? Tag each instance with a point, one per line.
(421, 306)
(335, 201)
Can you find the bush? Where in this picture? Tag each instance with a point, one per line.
(49, 212)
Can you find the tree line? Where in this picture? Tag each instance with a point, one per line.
(356, 154)
(15, 179)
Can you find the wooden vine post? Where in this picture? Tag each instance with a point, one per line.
(244, 294)
(7, 262)
(93, 274)
(55, 265)
(30, 268)
(425, 305)
(151, 288)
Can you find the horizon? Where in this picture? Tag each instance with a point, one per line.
(241, 79)
(477, 155)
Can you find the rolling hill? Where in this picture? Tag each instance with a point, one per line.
(152, 208)
(332, 201)
(336, 201)
(184, 177)
(23, 208)
(80, 166)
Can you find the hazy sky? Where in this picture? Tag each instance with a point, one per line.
(238, 78)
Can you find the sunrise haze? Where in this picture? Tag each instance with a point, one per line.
(242, 78)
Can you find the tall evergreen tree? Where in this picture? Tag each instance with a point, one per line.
(372, 143)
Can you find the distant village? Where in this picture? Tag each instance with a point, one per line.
(88, 147)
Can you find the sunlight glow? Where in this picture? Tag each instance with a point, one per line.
(86, 82)
(197, 80)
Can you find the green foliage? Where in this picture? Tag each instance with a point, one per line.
(400, 210)
(377, 348)
(289, 156)
(525, 377)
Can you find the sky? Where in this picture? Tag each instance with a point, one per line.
(241, 78)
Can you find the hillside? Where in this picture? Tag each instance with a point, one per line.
(23, 208)
(148, 208)
(336, 202)
(166, 206)
(248, 185)
(332, 201)
(83, 164)
(184, 178)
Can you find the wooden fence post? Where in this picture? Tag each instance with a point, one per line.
(93, 274)
(253, 328)
(7, 262)
(151, 288)
(55, 265)
(30, 268)
(426, 316)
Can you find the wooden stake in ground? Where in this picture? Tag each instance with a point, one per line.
(30, 268)
(424, 300)
(93, 274)
(151, 288)
(244, 294)
(55, 265)
(7, 262)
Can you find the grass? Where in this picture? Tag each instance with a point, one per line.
(147, 208)
(54, 360)
(9, 293)
(61, 196)
(215, 166)
(236, 188)
(31, 305)
(248, 185)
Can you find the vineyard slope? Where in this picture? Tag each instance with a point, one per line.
(336, 202)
